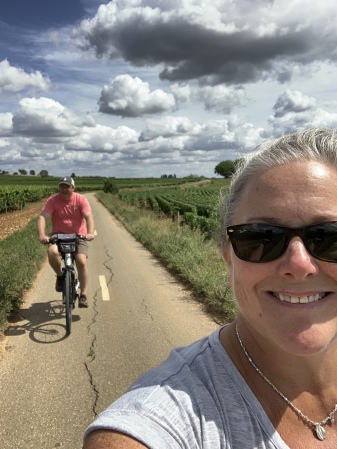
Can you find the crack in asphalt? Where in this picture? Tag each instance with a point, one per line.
(105, 263)
(159, 330)
(91, 353)
(91, 356)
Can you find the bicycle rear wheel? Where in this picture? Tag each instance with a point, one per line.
(68, 299)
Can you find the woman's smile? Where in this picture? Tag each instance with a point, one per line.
(298, 298)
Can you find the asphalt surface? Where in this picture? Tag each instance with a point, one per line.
(53, 386)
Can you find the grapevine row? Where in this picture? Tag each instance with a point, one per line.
(196, 207)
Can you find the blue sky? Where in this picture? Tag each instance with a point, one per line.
(138, 88)
(41, 13)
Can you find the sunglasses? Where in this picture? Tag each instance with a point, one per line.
(261, 243)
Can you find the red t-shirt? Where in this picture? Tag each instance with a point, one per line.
(67, 216)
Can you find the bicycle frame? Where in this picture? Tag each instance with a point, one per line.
(67, 247)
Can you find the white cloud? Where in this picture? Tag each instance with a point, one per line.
(44, 117)
(293, 101)
(5, 124)
(294, 110)
(15, 79)
(220, 99)
(131, 97)
(102, 139)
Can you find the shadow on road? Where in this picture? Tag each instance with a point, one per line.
(42, 321)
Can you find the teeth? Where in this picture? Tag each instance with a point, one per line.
(299, 299)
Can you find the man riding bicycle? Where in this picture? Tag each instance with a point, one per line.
(70, 213)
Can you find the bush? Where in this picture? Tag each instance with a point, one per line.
(110, 186)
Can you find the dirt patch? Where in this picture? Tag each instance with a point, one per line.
(17, 220)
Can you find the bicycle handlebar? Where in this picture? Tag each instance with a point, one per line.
(55, 239)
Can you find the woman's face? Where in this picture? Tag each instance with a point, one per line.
(293, 195)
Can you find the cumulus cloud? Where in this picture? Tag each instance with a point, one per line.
(44, 117)
(293, 101)
(233, 135)
(167, 127)
(15, 79)
(218, 42)
(294, 110)
(102, 139)
(220, 99)
(129, 96)
(6, 124)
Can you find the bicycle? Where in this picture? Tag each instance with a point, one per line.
(67, 247)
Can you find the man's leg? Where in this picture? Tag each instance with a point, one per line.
(82, 269)
(81, 263)
(54, 259)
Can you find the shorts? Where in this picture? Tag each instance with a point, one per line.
(82, 246)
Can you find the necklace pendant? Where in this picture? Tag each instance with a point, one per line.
(320, 432)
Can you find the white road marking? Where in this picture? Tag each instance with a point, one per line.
(104, 288)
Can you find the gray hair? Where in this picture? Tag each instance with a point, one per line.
(312, 144)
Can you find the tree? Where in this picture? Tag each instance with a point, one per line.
(43, 173)
(32, 172)
(73, 175)
(22, 171)
(225, 168)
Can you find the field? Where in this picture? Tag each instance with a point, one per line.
(192, 201)
(17, 191)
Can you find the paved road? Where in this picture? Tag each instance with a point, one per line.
(52, 387)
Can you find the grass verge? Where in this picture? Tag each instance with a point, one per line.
(196, 261)
(21, 257)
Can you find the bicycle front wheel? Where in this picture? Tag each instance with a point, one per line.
(67, 299)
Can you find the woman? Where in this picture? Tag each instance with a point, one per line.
(269, 379)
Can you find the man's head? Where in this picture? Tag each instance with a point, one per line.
(67, 180)
(66, 187)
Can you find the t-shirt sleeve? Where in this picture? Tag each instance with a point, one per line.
(164, 414)
(85, 206)
(48, 208)
(158, 419)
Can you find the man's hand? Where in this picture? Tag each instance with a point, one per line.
(44, 239)
(89, 237)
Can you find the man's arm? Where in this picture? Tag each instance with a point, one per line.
(41, 227)
(109, 439)
(89, 219)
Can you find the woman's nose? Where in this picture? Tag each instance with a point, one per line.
(297, 262)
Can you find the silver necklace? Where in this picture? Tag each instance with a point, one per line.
(316, 426)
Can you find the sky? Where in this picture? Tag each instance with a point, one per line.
(145, 88)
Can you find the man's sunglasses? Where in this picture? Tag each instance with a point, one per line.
(261, 243)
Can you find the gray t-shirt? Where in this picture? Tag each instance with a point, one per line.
(195, 399)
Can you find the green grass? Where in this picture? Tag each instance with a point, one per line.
(21, 256)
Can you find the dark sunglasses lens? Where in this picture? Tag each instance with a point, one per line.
(321, 241)
(262, 243)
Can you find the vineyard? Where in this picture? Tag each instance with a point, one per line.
(195, 205)
(190, 201)
(17, 191)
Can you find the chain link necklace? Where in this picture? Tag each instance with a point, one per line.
(317, 427)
